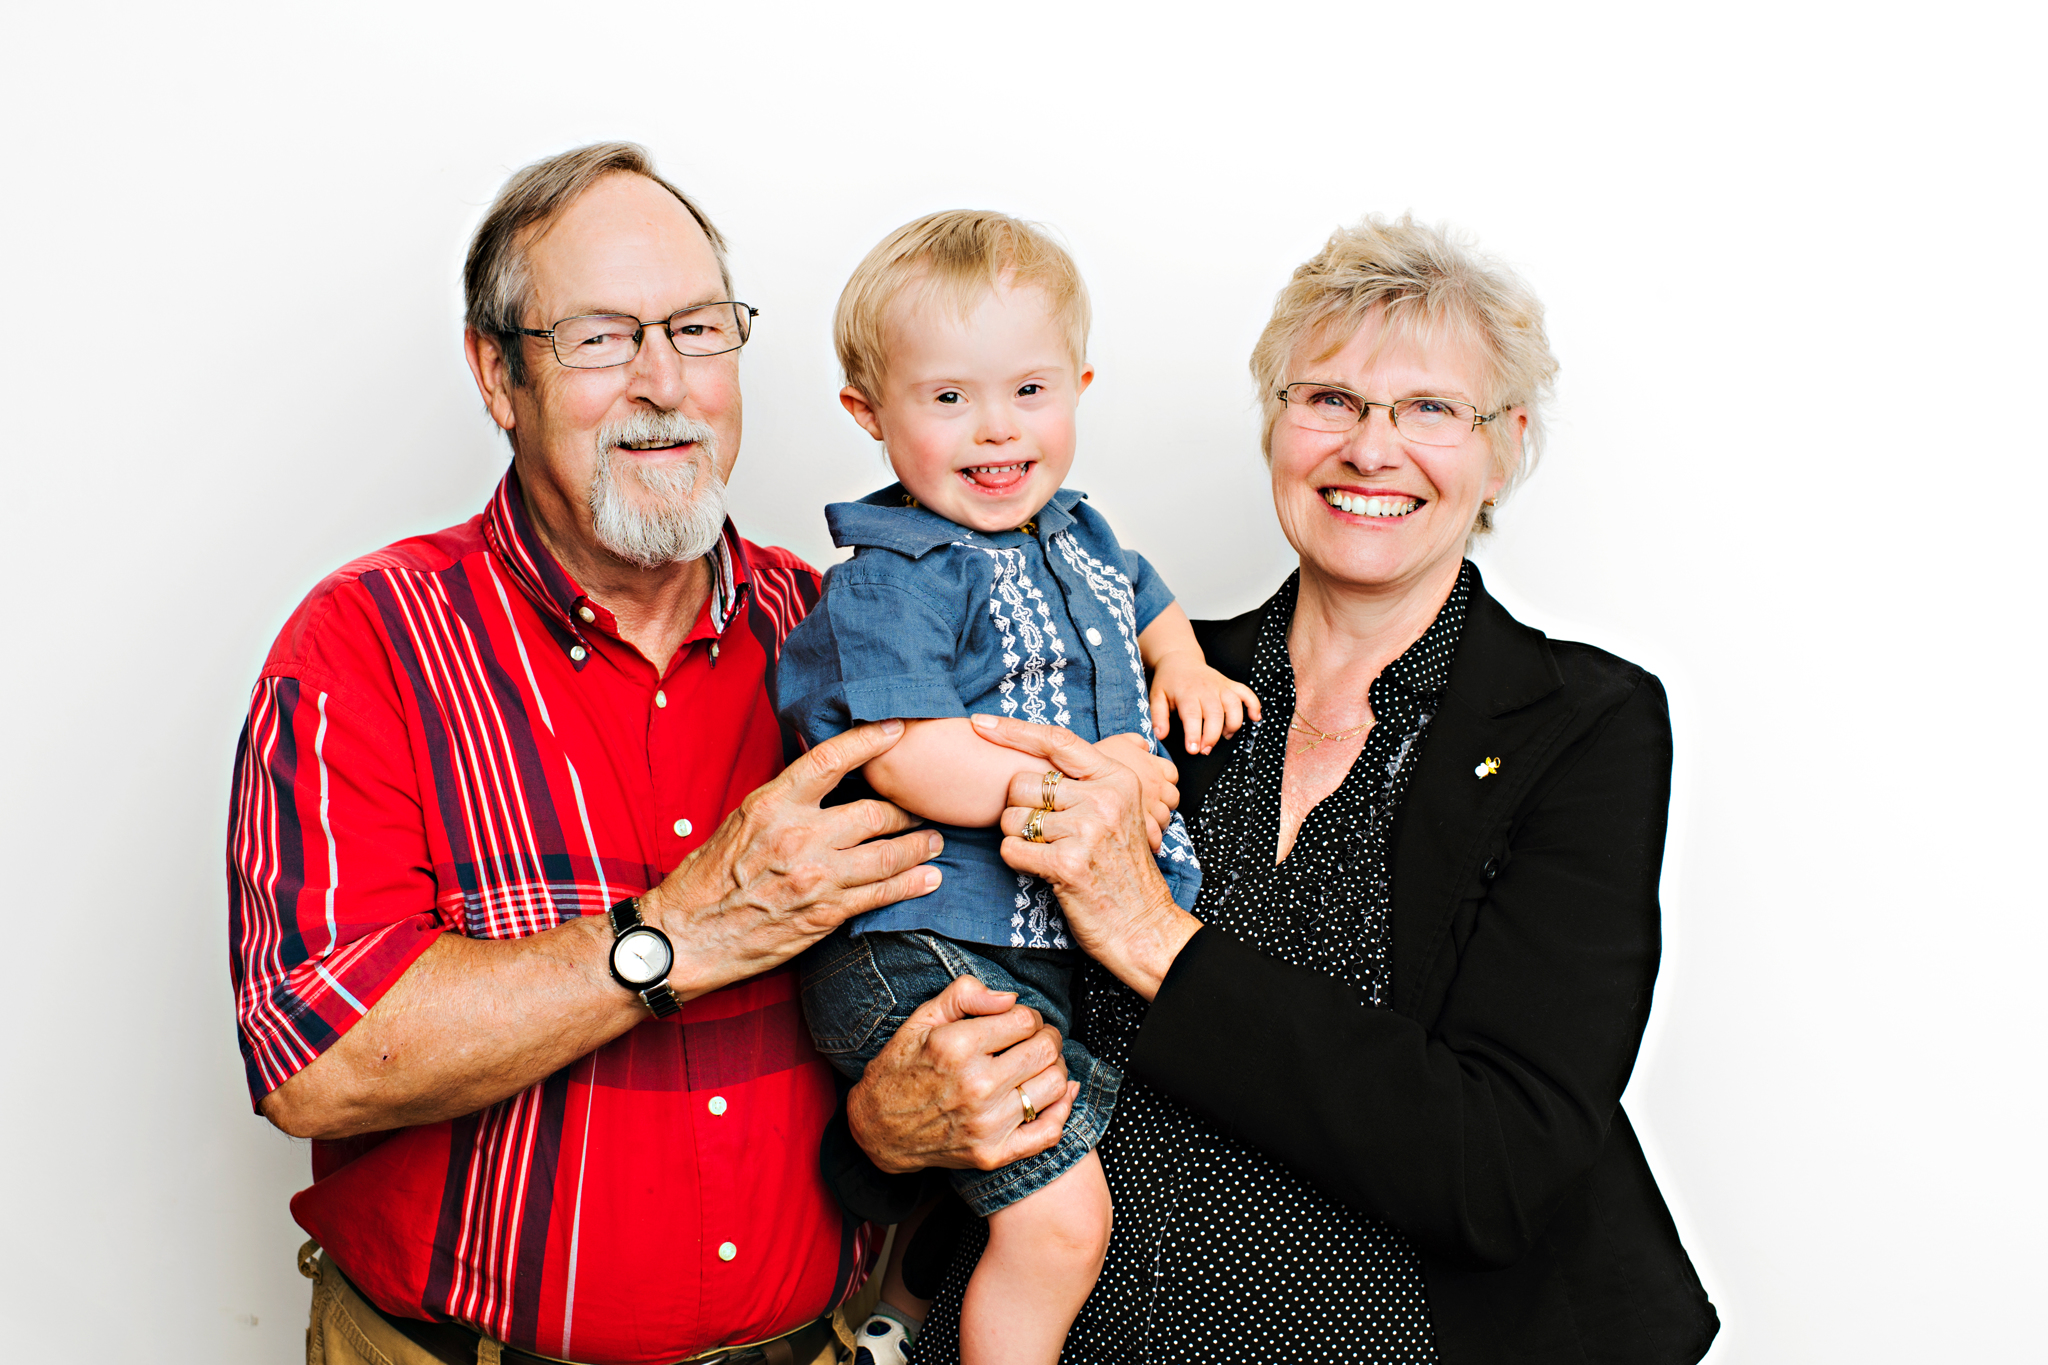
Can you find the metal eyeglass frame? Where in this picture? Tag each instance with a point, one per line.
(1366, 405)
(640, 327)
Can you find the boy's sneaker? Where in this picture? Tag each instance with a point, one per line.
(881, 1342)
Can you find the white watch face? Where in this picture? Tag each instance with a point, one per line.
(642, 956)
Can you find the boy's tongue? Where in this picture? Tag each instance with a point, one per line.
(996, 476)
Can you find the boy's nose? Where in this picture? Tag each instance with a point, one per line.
(998, 426)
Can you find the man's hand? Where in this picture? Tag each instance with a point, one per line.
(943, 1091)
(475, 1020)
(781, 873)
(1156, 777)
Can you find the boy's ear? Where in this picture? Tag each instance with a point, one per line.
(1087, 377)
(857, 406)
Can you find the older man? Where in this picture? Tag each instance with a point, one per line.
(514, 877)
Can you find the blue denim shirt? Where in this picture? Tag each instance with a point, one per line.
(929, 619)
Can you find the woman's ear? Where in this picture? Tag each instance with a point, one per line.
(861, 410)
(1517, 420)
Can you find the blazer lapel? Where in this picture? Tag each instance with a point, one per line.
(1504, 703)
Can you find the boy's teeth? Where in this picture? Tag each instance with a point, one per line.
(1359, 506)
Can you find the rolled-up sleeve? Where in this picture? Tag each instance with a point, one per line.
(877, 646)
(330, 889)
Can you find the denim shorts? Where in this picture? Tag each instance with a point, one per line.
(858, 991)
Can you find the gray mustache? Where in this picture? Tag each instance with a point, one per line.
(658, 428)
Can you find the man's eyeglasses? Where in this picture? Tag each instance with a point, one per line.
(1425, 421)
(597, 341)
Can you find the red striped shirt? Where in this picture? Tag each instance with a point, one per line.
(449, 736)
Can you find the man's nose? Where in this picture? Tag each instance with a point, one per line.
(658, 371)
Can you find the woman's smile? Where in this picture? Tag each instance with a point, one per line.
(1373, 505)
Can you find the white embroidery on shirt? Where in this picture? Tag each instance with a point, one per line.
(1112, 588)
(1034, 656)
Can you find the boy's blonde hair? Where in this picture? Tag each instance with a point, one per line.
(959, 256)
(1425, 283)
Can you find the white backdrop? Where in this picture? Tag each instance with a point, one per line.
(1792, 258)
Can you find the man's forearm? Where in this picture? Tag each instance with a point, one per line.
(469, 1023)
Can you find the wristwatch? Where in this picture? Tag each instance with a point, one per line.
(641, 957)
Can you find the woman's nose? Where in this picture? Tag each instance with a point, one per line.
(1375, 442)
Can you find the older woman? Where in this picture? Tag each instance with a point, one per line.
(1372, 1112)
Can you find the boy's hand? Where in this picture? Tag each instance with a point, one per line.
(1156, 777)
(1211, 706)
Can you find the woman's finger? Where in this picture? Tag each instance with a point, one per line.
(1059, 746)
(1028, 790)
(1014, 818)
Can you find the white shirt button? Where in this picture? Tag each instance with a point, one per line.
(683, 828)
(661, 699)
(587, 614)
(717, 1105)
(578, 653)
(726, 1251)
(1094, 636)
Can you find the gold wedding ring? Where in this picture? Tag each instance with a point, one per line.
(1030, 1109)
(1047, 785)
(1034, 828)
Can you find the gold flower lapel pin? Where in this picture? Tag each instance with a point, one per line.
(1487, 768)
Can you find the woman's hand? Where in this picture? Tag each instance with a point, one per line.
(1095, 853)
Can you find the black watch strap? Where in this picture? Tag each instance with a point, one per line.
(660, 997)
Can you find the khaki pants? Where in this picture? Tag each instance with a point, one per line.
(344, 1329)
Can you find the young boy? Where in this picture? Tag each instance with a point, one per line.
(979, 584)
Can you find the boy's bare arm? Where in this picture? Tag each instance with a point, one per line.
(944, 770)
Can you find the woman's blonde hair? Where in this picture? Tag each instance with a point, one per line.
(1424, 284)
(959, 256)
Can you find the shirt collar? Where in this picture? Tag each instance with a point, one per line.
(1424, 668)
(511, 535)
(888, 520)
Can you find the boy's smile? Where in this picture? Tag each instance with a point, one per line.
(977, 411)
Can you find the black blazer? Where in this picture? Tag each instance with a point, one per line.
(1480, 1115)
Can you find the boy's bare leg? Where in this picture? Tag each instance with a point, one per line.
(1044, 1253)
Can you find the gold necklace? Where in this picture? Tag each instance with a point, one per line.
(1307, 727)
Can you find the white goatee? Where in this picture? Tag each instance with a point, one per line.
(680, 509)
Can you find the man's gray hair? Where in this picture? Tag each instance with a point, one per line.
(495, 284)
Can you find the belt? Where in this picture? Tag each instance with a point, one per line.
(454, 1344)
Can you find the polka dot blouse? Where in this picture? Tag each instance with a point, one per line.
(1220, 1253)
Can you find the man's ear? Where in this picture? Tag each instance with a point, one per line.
(493, 380)
(857, 406)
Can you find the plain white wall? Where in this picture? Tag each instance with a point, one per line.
(1792, 258)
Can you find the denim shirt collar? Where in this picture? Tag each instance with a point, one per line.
(886, 520)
